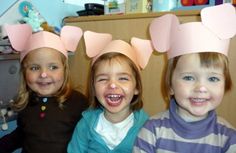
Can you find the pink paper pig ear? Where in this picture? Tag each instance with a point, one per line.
(19, 35)
(70, 36)
(143, 50)
(96, 42)
(161, 30)
(220, 19)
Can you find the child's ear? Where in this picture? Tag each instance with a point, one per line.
(136, 92)
(171, 92)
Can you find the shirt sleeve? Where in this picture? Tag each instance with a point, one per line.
(80, 138)
(146, 140)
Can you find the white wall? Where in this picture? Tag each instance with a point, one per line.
(52, 11)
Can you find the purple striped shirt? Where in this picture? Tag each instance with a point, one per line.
(167, 132)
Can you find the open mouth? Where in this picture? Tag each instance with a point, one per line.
(114, 99)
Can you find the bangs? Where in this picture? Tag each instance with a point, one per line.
(212, 59)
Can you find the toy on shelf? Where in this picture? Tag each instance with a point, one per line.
(33, 18)
(161, 5)
(114, 6)
(234, 2)
(49, 28)
(196, 4)
(24, 8)
(6, 115)
(30, 16)
(193, 2)
(5, 46)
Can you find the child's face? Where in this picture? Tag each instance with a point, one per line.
(115, 86)
(44, 71)
(197, 89)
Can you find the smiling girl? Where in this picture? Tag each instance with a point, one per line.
(115, 91)
(48, 108)
(196, 80)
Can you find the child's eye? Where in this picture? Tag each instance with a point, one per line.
(100, 79)
(34, 68)
(213, 79)
(53, 67)
(188, 78)
(124, 78)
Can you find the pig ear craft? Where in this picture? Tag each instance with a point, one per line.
(220, 19)
(71, 36)
(96, 42)
(19, 35)
(143, 50)
(161, 30)
(211, 34)
(139, 51)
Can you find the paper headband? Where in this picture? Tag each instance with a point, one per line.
(98, 44)
(22, 39)
(211, 35)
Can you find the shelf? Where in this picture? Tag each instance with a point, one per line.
(129, 16)
(9, 56)
(4, 42)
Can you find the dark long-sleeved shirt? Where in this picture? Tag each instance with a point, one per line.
(48, 134)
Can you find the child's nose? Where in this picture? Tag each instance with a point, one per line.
(202, 89)
(113, 85)
(43, 74)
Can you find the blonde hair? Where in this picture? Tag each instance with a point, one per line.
(25, 92)
(137, 102)
(207, 59)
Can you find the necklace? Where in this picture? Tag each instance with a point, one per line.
(43, 108)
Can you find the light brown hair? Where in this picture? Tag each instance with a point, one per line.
(207, 59)
(137, 102)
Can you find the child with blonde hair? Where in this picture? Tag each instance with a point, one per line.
(48, 106)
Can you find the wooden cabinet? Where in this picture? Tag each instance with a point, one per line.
(126, 26)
